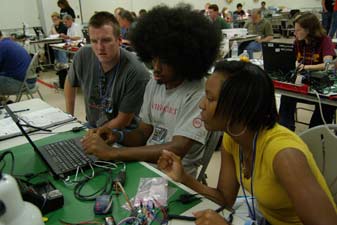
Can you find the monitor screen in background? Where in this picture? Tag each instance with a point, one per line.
(278, 57)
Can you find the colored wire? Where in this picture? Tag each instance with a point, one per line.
(125, 195)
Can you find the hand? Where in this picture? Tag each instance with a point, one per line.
(62, 35)
(171, 164)
(258, 39)
(107, 135)
(209, 217)
(301, 67)
(93, 144)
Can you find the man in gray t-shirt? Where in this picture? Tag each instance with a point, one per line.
(112, 79)
(170, 114)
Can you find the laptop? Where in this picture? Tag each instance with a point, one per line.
(63, 158)
(278, 60)
(85, 33)
(39, 32)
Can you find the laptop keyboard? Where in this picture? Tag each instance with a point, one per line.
(67, 155)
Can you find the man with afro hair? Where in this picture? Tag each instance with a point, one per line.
(181, 44)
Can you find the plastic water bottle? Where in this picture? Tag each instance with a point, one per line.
(244, 56)
(235, 49)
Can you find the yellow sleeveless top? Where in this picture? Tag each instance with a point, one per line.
(272, 198)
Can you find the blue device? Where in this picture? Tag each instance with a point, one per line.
(103, 205)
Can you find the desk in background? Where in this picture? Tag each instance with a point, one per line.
(63, 47)
(27, 161)
(45, 41)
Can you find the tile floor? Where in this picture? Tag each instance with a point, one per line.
(56, 98)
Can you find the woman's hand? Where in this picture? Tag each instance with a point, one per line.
(171, 164)
(209, 217)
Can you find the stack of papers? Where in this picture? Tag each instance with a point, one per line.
(44, 118)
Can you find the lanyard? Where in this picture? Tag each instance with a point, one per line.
(311, 57)
(252, 211)
(104, 96)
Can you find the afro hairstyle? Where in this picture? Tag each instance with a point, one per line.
(186, 40)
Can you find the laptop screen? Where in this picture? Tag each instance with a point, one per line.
(278, 57)
(39, 32)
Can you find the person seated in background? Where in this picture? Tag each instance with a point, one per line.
(170, 117)
(74, 31)
(14, 62)
(259, 156)
(127, 22)
(219, 23)
(312, 48)
(226, 15)
(238, 15)
(205, 10)
(116, 14)
(65, 9)
(58, 27)
(112, 79)
(142, 12)
(261, 27)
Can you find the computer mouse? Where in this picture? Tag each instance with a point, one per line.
(103, 205)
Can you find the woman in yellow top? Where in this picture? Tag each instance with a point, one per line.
(269, 161)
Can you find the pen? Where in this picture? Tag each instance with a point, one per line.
(21, 110)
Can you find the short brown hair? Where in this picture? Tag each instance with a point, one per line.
(102, 18)
(214, 7)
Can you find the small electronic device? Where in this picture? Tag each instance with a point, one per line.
(43, 195)
(103, 204)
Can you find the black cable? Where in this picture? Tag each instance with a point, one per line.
(106, 188)
(2, 156)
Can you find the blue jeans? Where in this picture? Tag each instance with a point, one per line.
(61, 56)
(252, 47)
(288, 108)
(333, 26)
(326, 20)
(9, 86)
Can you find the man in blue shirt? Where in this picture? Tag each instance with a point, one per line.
(14, 62)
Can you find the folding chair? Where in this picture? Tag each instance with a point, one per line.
(323, 145)
(209, 147)
(29, 85)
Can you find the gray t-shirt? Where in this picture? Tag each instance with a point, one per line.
(125, 85)
(175, 112)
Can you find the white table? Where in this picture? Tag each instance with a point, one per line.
(37, 104)
(33, 105)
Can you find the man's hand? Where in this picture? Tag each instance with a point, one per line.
(107, 135)
(64, 36)
(171, 164)
(258, 39)
(209, 217)
(93, 144)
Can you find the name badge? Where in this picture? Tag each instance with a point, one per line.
(159, 135)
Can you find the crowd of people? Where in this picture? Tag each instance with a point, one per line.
(165, 119)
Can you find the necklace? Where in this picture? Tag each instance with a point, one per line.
(252, 212)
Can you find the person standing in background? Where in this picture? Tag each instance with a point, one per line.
(65, 9)
(327, 10)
